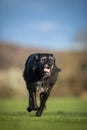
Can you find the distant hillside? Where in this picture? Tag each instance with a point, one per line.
(15, 56)
(72, 78)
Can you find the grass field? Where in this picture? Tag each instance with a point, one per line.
(61, 114)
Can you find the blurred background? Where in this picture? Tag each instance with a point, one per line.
(52, 26)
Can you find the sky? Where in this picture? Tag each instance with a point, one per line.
(50, 24)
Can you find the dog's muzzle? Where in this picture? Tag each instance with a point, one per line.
(48, 68)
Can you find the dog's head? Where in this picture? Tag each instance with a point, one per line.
(45, 63)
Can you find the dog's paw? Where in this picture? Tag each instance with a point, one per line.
(38, 113)
(29, 109)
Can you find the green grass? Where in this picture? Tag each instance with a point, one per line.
(61, 114)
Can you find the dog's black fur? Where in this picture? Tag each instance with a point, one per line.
(40, 72)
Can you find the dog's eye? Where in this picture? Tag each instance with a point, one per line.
(43, 59)
(51, 59)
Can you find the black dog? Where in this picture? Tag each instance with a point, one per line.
(40, 72)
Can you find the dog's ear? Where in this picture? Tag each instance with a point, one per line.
(51, 55)
(59, 69)
(36, 57)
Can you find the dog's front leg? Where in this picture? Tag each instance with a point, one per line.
(32, 100)
(41, 108)
(35, 107)
(41, 99)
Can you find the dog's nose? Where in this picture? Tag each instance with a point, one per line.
(50, 64)
(47, 66)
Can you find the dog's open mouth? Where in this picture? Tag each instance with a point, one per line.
(47, 70)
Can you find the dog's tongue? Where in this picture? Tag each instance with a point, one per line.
(47, 70)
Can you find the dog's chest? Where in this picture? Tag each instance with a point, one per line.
(42, 86)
